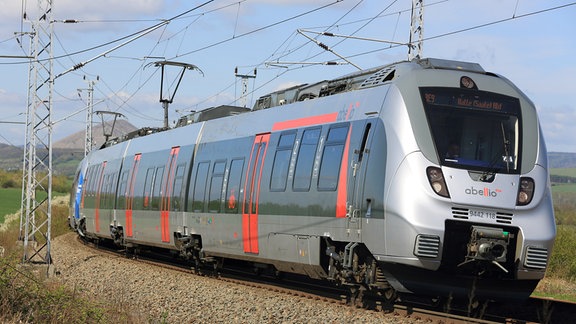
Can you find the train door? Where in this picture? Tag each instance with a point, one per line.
(358, 204)
(129, 231)
(252, 193)
(166, 193)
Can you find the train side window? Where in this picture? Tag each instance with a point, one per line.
(91, 186)
(234, 181)
(107, 191)
(122, 190)
(199, 193)
(87, 190)
(305, 161)
(215, 194)
(332, 158)
(155, 201)
(282, 162)
(104, 192)
(112, 189)
(148, 187)
(177, 190)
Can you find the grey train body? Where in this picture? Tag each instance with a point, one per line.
(428, 177)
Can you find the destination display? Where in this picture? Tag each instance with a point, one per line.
(470, 99)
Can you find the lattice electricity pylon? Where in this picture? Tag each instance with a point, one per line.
(244, 77)
(416, 30)
(88, 138)
(36, 213)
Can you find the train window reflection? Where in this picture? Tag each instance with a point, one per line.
(199, 192)
(332, 158)
(305, 162)
(282, 162)
(486, 140)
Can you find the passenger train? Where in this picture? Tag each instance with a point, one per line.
(427, 177)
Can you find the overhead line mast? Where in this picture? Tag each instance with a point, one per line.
(36, 211)
(416, 30)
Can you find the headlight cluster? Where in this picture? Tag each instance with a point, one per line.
(436, 179)
(525, 192)
(438, 184)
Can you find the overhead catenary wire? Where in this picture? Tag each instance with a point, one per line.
(161, 23)
(124, 102)
(392, 46)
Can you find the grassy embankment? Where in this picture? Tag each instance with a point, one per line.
(26, 295)
(560, 281)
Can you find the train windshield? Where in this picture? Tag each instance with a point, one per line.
(473, 129)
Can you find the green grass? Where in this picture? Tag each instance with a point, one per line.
(10, 200)
(566, 172)
(564, 188)
(28, 297)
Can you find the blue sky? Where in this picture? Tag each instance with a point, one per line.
(526, 41)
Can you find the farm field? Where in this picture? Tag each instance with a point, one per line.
(10, 199)
(567, 172)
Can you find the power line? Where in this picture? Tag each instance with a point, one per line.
(256, 30)
(514, 17)
(118, 39)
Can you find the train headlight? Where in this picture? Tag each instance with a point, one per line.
(436, 179)
(525, 192)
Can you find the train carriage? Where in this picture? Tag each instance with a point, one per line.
(425, 177)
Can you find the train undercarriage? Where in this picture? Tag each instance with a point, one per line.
(348, 265)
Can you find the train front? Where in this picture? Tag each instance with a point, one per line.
(468, 209)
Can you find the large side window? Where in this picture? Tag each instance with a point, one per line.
(155, 203)
(233, 188)
(122, 190)
(332, 158)
(215, 195)
(305, 161)
(199, 193)
(148, 188)
(282, 162)
(88, 191)
(176, 199)
(107, 189)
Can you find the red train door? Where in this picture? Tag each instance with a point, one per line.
(252, 193)
(130, 195)
(168, 185)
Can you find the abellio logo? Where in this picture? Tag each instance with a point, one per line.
(486, 192)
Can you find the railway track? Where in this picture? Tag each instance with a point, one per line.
(407, 308)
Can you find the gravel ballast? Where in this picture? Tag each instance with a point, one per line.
(163, 295)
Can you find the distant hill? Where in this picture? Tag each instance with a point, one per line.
(66, 153)
(562, 160)
(76, 140)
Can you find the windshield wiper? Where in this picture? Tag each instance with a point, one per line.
(506, 157)
(492, 169)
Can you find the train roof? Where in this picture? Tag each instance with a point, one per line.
(359, 80)
(354, 81)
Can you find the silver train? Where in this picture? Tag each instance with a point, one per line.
(427, 177)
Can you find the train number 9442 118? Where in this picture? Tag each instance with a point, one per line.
(483, 214)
